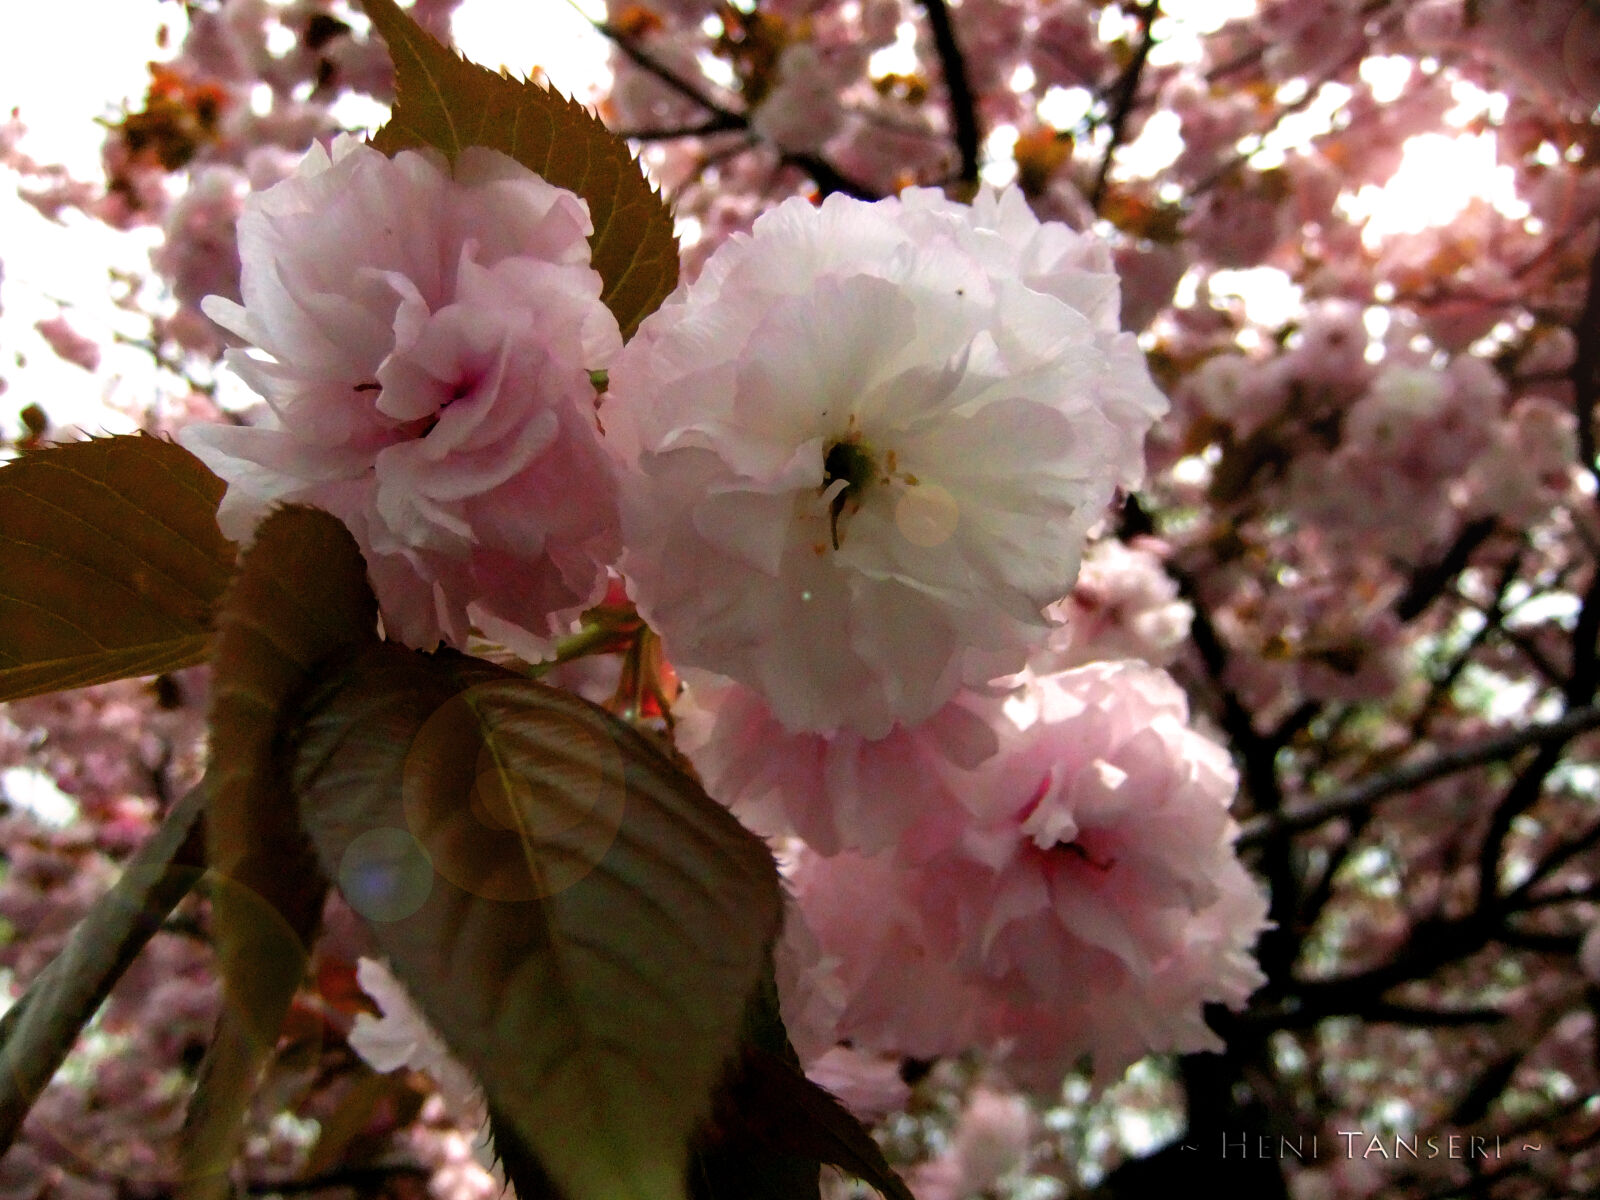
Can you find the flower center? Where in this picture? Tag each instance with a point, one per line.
(852, 463)
(1102, 864)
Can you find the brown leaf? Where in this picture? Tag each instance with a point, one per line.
(445, 102)
(113, 563)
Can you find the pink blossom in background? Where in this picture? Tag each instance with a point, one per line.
(1589, 954)
(861, 452)
(802, 113)
(1430, 423)
(1124, 605)
(1067, 50)
(70, 345)
(991, 1140)
(424, 344)
(1529, 464)
(1245, 393)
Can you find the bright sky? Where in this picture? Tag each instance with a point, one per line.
(59, 82)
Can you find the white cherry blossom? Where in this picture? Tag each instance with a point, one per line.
(863, 449)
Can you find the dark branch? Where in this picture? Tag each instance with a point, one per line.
(1122, 103)
(1414, 775)
(1518, 901)
(1257, 757)
(340, 1178)
(1586, 367)
(721, 123)
(646, 61)
(1434, 1018)
(828, 178)
(1585, 676)
(1557, 858)
(1430, 581)
(958, 91)
(1431, 945)
(1522, 795)
(724, 119)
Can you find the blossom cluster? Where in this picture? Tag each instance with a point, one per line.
(430, 339)
(888, 429)
(848, 476)
(1056, 877)
(1358, 241)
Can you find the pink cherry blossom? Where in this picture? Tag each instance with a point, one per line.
(70, 345)
(424, 345)
(836, 790)
(868, 1084)
(1589, 954)
(1092, 906)
(1124, 605)
(991, 1140)
(903, 990)
(802, 112)
(1110, 904)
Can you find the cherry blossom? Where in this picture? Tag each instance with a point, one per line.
(840, 790)
(884, 429)
(424, 346)
(1124, 605)
(1090, 908)
(1364, 546)
(70, 345)
(1109, 900)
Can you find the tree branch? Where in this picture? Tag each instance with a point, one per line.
(1585, 675)
(825, 175)
(361, 1177)
(1429, 582)
(721, 123)
(1586, 368)
(1431, 945)
(646, 61)
(1127, 92)
(1558, 857)
(39, 1030)
(958, 91)
(1413, 775)
(1376, 1011)
(828, 178)
(1522, 795)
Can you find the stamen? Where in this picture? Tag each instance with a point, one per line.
(851, 463)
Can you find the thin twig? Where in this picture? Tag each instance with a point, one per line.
(1413, 775)
(724, 119)
(722, 123)
(648, 62)
(1127, 92)
(1429, 581)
